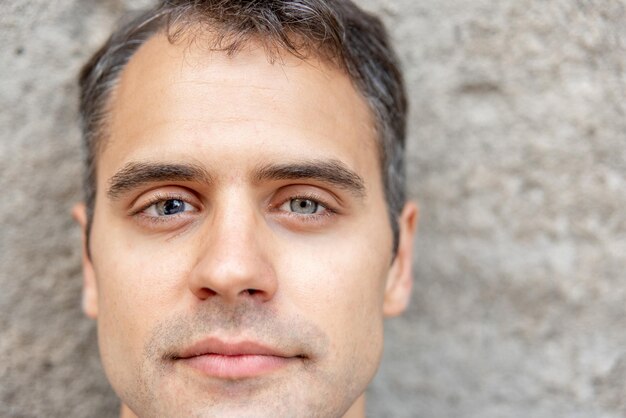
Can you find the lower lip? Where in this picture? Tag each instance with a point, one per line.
(236, 367)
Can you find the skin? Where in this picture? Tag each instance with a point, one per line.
(238, 262)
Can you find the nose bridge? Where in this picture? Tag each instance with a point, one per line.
(234, 222)
(231, 262)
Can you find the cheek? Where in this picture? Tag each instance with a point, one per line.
(134, 282)
(135, 292)
(339, 285)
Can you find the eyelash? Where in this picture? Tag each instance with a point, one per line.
(316, 217)
(327, 212)
(157, 198)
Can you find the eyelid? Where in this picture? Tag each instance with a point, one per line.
(285, 195)
(160, 196)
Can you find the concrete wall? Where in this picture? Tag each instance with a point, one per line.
(517, 155)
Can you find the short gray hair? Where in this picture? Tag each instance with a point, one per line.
(336, 30)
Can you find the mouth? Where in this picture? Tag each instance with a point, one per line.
(235, 360)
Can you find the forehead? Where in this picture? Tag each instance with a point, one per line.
(183, 99)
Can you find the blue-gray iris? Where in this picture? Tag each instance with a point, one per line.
(171, 206)
(303, 206)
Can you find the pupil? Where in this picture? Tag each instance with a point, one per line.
(174, 206)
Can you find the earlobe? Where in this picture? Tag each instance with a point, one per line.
(90, 288)
(400, 278)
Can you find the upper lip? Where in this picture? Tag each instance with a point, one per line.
(217, 346)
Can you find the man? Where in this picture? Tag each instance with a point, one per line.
(245, 230)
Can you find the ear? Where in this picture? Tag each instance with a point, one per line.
(90, 286)
(400, 278)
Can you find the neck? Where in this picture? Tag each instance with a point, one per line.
(357, 410)
(126, 412)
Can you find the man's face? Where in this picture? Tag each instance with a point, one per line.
(241, 254)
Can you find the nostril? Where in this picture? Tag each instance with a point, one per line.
(251, 291)
(205, 293)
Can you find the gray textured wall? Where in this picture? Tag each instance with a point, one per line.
(517, 157)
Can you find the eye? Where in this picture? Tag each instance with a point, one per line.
(302, 206)
(168, 207)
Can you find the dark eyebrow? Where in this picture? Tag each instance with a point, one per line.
(136, 174)
(328, 171)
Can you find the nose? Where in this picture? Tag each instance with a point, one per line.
(233, 264)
